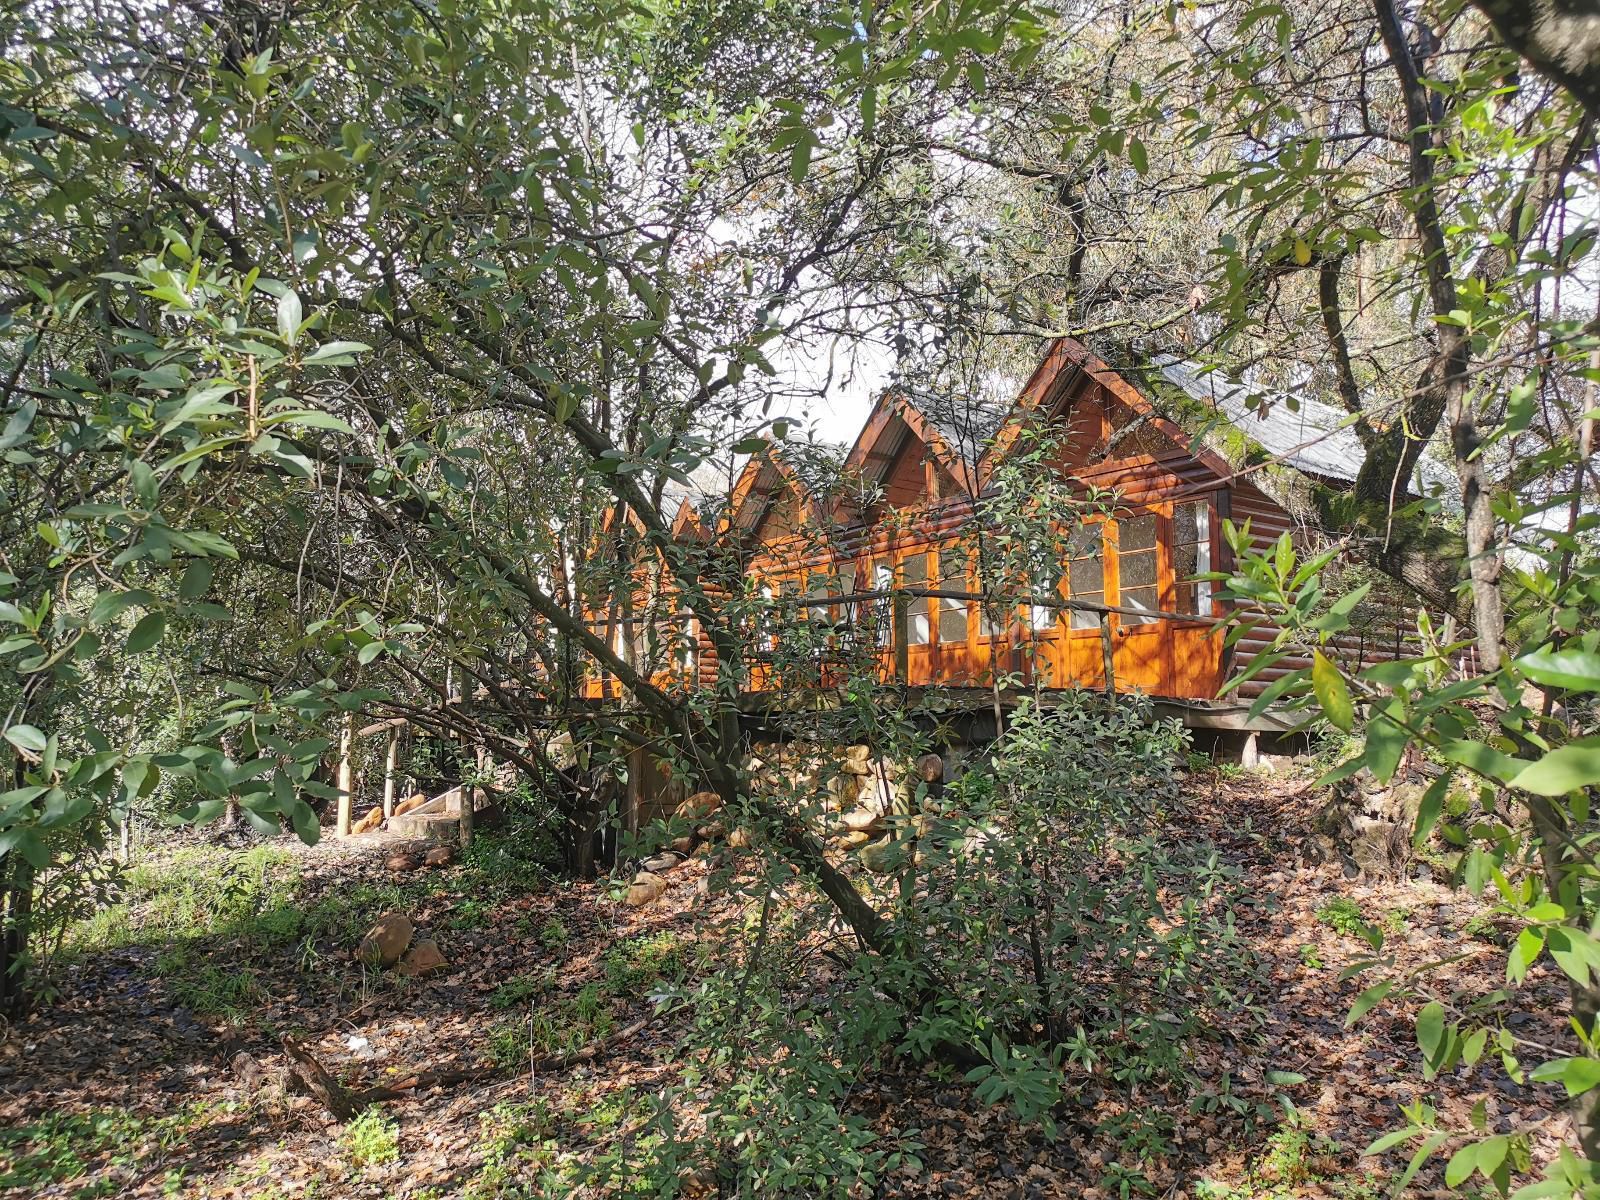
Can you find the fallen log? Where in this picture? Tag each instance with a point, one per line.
(304, 1068)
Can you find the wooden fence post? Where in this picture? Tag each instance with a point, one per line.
(389, 761)
(1107, 653)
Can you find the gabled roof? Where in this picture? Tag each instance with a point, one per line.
(1053, 383)
(808, 468)
(1300, 431)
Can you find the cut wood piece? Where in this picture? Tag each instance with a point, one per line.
(314, 1078)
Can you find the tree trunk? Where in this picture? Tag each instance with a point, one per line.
(16, 913)
(347, 730)
(389, 761)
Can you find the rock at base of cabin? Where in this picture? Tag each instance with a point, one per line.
(929, 768)
(683, 846)
(880, 856)
(422, 959)
(368, 823)
(857, 760)
(699, 806)
(851, 841)
(665, 861)
(647, 887)
(409, 803)
(860, 820)
(402, 863)
(386, 941)
(711, 831)
(440, 856)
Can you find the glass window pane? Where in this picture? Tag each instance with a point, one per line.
(1137, 533)
(914, 569)
(1085, 575)
(1087, 620)
(1137, 570)
(952, 622)
(1141, 598)
(917, 621)
(1185, 526)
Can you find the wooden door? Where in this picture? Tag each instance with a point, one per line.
(1142, 646)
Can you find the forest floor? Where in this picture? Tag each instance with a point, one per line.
(129, 1083)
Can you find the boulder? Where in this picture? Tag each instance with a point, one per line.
(664, 861)
(409, 803)
(851, 841)
(929, 768)
(440, 856)
(885, 796)
(711, 831)
(402, 862)
(683, 846)
(386, 941)
(422, 959)
(646, 888)
(699, 806)
(860, 820)
(880, 856)
(1369, 826)
(368, 823)
(741, 838)
(857, 760)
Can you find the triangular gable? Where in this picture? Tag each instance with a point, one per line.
(1054, 383)
(766, 474)
(897, 427)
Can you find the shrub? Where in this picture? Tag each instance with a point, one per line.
(371, 1140)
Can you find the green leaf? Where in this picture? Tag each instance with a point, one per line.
(1577, 1075)
(1483, 759)
(109, 605)
(1368, 1000)
(27, 737)
(147, 632)
(1138, 157)
(1575, 765)
(1431, 1031)
(335, 354)
(1429, 808)
(196, 579)
(1332, 693)
(289, 316)
(1386, 741)
(1575, 670)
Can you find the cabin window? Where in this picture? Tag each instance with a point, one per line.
(952, 613)
(689, 647)
(1086, 573)
(817, 589)
(883, 581)
(846, 590)
(1137, 584)
(767, 621)
(1047, 585)
(914, 574)
(1191, 556)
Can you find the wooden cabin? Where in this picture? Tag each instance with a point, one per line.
(892, 549)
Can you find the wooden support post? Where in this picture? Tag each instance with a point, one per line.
(389, 761)
(347, 737)
(1107, 653)
(469, 802)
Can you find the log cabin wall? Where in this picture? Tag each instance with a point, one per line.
(1171, 498)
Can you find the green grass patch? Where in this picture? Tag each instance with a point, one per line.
(371, 1140)
(63, 1148)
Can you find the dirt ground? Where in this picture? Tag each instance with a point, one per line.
(155, 1071)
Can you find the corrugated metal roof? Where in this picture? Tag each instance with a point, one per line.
(1310, 436)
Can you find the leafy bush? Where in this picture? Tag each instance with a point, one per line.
(371, 1140)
